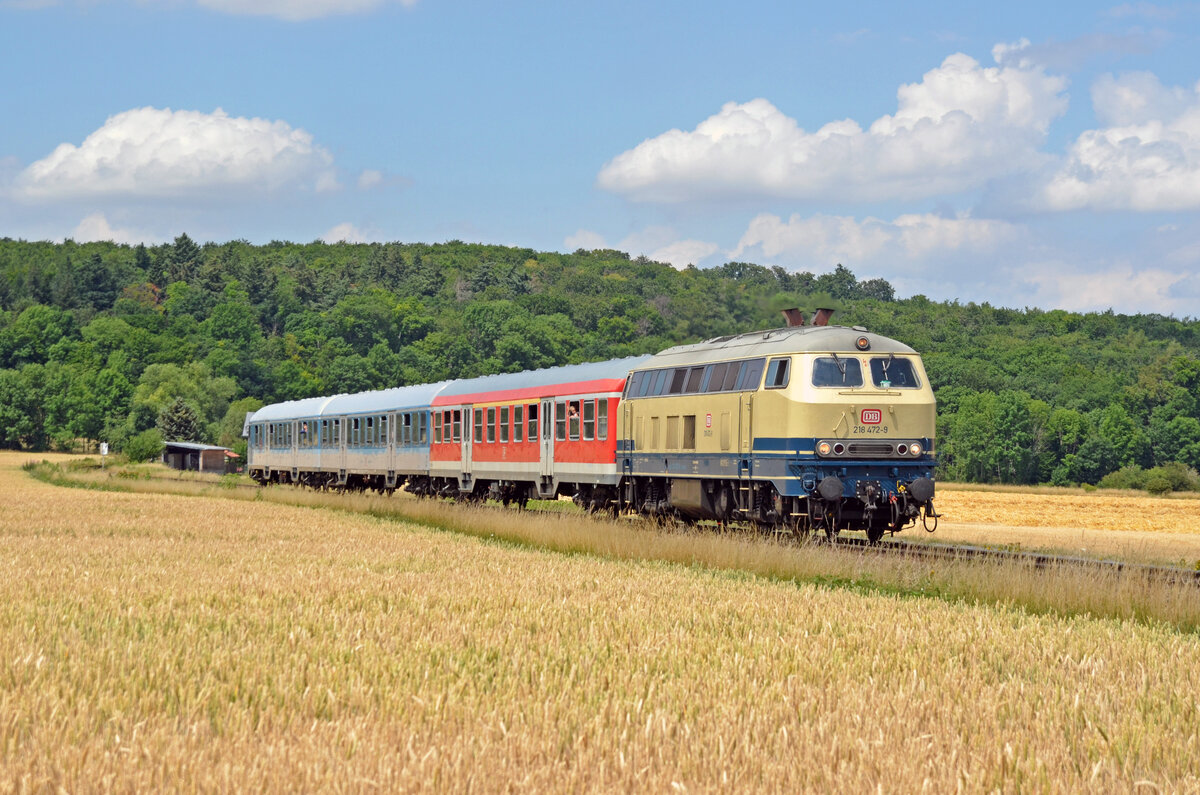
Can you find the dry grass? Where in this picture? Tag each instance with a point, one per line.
(157, 642)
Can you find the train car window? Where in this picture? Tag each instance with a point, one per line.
(888, 372)
(560, 421)
(533, 419)
(337, 431)
(573, 420)
(716, 377)
(385, 430)
(437, 427)
(478, 436)
(694, 376)
(836, 371)
(422, 427)
(751, 376)
(518, 423)
(677, 380)
(355, 432)
(504, 424)
(457, 425)
(589, 420)
(731, 375)
(491, 424)
(369, 435)
(602, 419)
(777, 374)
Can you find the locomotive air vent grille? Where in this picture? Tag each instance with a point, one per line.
(879, 449)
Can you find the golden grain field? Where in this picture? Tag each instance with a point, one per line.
(160, 642)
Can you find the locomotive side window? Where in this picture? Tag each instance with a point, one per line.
(518, 423)
(731, 375)
(751, 375)
(661, 382)
(777, 374)
(716, 378)
(602, 419)
(677, 380)
(693, 379)
(836, 371)
(634, 384)
(893, 373)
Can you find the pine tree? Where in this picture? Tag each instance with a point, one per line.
(179, 423)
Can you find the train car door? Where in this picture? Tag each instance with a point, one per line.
(745, 432)
(463, 427)
(547, 417)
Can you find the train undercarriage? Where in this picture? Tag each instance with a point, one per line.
(874, 508)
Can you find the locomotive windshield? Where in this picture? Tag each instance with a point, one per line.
(836, 371)
(892, 373)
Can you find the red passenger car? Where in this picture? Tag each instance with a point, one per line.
(542, 434)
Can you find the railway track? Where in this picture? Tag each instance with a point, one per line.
(1036, 560)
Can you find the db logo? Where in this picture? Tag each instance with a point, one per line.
(872, 416)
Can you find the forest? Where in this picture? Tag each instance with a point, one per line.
(123, 344)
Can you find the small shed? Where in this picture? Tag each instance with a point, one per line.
(199, 457)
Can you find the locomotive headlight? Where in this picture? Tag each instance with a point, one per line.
(915, 448)
(823, 448)
(863, 344)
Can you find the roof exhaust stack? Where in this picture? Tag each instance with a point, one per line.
(821, 318)
(794, 317)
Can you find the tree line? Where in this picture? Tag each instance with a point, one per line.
(106, 342)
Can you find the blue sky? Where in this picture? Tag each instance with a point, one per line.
(1026, 154)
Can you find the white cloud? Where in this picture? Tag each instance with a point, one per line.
(96, 227)
(584, 239)
(1148, 160)
(682, 253)
(153, 153)
(658, 243)
(346, 233)
(369, 178)
(297, 10)
(1123, 286)
(961, 125)
(823, 239)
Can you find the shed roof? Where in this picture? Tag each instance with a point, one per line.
(194, 446)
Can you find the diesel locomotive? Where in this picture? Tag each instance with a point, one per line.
(808, 427)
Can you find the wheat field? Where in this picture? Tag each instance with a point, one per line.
(165, 642)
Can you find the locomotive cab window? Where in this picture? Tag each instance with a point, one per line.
(837, 371)
(888, 372)
(777, 374)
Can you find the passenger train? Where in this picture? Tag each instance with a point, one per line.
(808, 427)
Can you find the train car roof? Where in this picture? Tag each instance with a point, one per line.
(776, 342)
(380, 400)
(572, 379)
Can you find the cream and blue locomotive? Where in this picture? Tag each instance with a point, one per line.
(818, 428)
